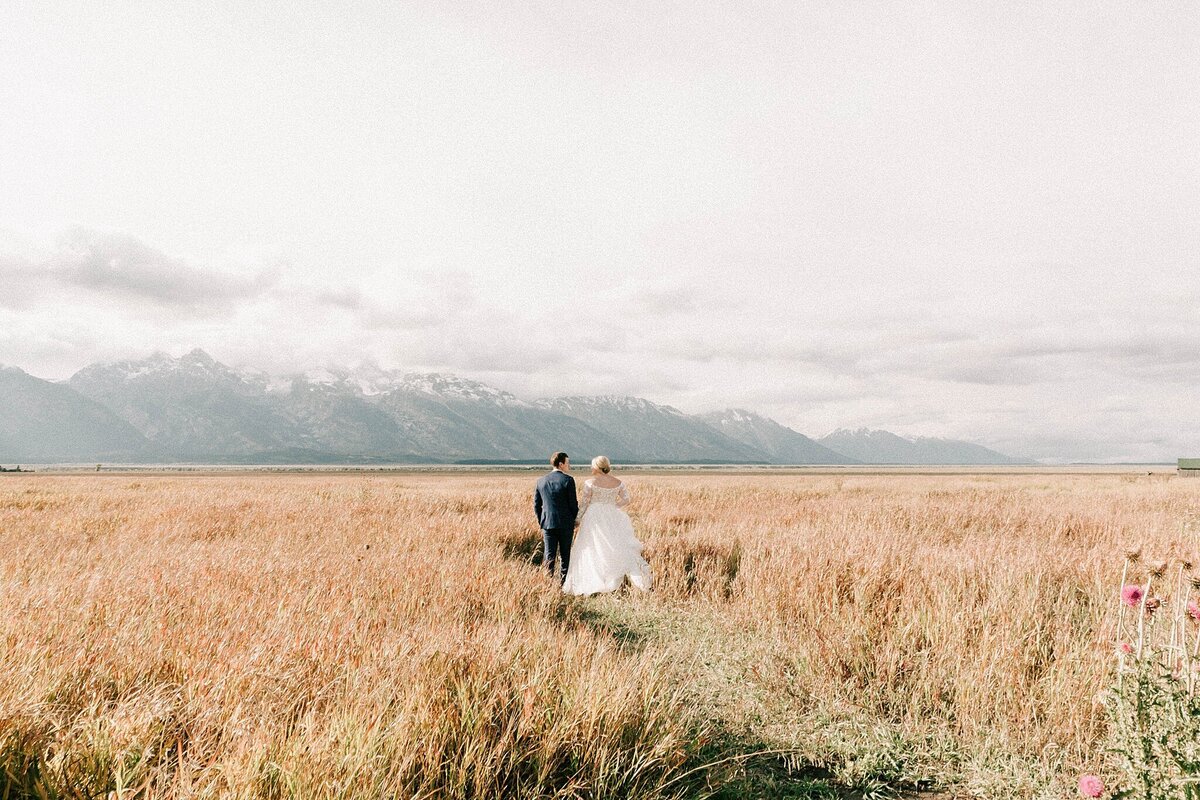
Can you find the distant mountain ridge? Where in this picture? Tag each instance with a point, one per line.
(194, 408)
(191, 407)
(645, 431)
(43, 422)
(884, 447)
(782, 444)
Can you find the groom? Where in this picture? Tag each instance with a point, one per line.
(556, 506)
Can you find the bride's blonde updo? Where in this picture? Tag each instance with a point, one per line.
(602, 463)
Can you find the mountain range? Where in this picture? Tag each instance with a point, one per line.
(196, 409)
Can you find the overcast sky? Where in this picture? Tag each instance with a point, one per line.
(974, 220)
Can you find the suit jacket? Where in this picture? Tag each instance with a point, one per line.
(555, 501)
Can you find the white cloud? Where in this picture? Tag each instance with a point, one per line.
(107, 268)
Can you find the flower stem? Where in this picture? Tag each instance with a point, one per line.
(1142, 616)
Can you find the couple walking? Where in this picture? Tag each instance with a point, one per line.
(605, 550)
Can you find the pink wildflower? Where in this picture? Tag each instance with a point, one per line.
(1193, 610)
(1091, 786)
(1127, 648)
(1132, 594)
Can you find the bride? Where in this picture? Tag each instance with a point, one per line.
(605, 550)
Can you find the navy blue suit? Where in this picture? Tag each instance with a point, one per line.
(556, 506)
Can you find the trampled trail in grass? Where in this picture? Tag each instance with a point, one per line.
(351, 636)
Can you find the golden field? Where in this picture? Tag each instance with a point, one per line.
(364, 636)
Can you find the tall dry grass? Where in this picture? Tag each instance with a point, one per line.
(348, 636)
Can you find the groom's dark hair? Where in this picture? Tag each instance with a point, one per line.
(558, 458)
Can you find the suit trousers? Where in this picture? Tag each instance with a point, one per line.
(556, 542)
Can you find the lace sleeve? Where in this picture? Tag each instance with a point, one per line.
(623, 497)
(587, 499)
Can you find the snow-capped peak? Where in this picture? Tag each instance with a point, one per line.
(736, 416)
(452, 387)
(370, 380)
(868, 433)
(196, 362)
(366, 379)
(619, 402)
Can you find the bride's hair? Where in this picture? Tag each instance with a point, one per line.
(602, 463)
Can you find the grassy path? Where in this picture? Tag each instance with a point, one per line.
(728, 681)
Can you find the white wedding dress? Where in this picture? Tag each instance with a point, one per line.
(606, 550)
